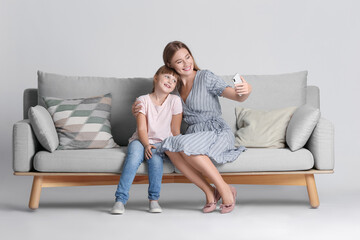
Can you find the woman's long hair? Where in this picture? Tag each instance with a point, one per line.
(170, 50)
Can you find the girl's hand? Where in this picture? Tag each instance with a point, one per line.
(148, 153)
(135, 108)
(243, 88)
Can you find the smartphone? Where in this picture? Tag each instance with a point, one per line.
(236, 79)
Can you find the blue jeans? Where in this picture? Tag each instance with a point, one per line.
(135, 156)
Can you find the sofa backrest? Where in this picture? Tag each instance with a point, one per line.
(125, 90)
(228, 106)
(269, 92)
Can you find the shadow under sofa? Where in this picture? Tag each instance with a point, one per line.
(85, 167)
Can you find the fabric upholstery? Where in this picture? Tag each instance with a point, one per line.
(44, 128)
(313, 96)
(269, 159)
(88, 160)
(123, 90)
(25, 145)
(301, 125)
(30, 99)
(321, 145)
(269, 92)
(264, 129)
(82, 122)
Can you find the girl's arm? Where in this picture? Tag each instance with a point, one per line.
(143, 134)
(233, 93)
(175, 124)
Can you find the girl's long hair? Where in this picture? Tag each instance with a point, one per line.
(166, 70)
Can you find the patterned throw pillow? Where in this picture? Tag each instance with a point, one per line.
(83, 122)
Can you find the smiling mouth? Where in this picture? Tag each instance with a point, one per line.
(166, 85)
(187, 69)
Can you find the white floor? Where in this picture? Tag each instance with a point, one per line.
(262, 212)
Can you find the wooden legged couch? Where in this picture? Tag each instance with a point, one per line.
(298, 178)
(85, 167)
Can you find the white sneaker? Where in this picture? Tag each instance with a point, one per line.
(154, 207)
(118, 208)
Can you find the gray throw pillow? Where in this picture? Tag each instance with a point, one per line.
(43, 127)
(301, 125)
(83, 122)
(262, 129)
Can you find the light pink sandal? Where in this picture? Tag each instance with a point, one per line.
(210, 207)
(226, 208)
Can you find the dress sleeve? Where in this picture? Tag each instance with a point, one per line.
(214, 84)
(177, 106)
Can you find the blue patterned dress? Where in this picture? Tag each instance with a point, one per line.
(207, 133)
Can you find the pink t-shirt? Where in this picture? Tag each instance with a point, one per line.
(158, 117)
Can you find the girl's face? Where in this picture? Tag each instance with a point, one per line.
(165, 83)
(182, 62)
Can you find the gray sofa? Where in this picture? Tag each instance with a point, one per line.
(103, 166)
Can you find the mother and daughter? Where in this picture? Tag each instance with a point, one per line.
(208, 139)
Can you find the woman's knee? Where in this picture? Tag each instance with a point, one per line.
(172, 153)
(174, 156)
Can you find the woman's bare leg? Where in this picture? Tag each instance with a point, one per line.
(192, 174)
(204, 165)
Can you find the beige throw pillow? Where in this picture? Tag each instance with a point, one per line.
(262, 129)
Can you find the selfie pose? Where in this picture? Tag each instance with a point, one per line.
(208, 139)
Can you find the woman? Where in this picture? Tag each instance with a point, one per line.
(208, 138)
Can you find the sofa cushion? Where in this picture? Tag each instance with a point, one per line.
(269, 92)
(88, 160)
(301, 125)
(82, 122)
(43, 127)
(265, 129)
(269, 159)
(124, 92)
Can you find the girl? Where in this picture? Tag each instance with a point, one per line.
(159, 117)
(208, 139)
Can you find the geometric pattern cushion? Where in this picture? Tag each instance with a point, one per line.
(82, 123)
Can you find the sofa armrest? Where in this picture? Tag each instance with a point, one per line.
(25, 145)
(321, 145)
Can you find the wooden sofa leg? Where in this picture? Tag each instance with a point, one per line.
(311, 188)
(35, 192)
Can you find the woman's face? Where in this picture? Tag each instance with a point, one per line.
(182, 62)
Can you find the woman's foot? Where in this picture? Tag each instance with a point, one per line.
(226, 208)
(211, 206)
(118, 208)
(217, 195)
(154, 207)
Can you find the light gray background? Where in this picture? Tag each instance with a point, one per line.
(126, 39)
